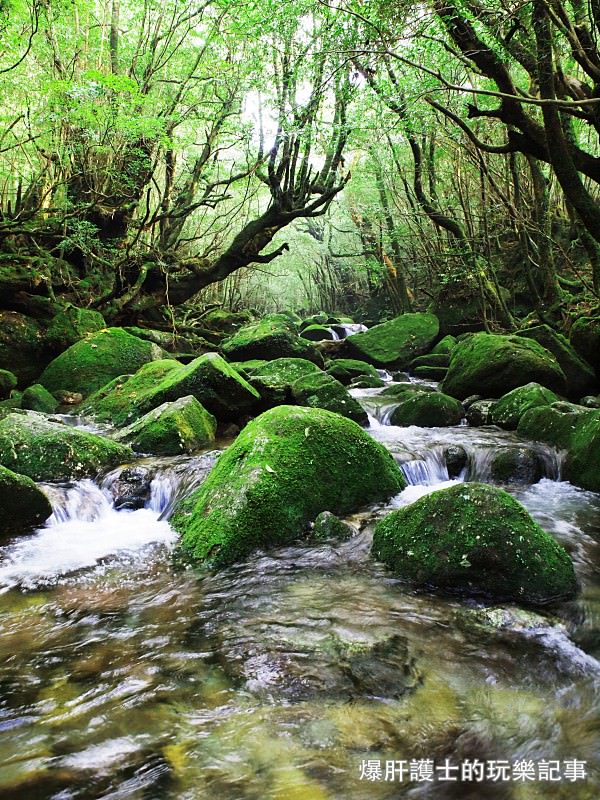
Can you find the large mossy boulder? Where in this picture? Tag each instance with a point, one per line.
(579, 374)
(72, 324)
(345, 370)
(475, 539)
(209, 378)
(492, 364)
(94, 361)
(23, 347)
(585, 338)
(49, 451)
(273, 380)
(445, 346)
(182, 426)
(38, 398)
(22, 504)
(510, 408)
(396, 343)
(427, 410)
(285, 467)
(274, 336)
(320, 390)
(572, 428)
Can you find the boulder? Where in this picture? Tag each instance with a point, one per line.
(396, 343)
(209, 378)
(427, 410)
(480, 412)
(579, 374)
(273, 380)
(346, 369)
(285, 467)
(431, 373)
(507, 412)
(445, 345)
(94, 361)
(182, 426)
(8, 382)
(317, 333)
(274, 336)
(515, 465)
(22, 504)
(430, 360)
(475, 539)
(585, 338)
(49, 451)
(493, 364)
(70, 325)
(23, 348)
(553, 425)
(328, 526)
(320, 390)
(401, 389)
(38, 398)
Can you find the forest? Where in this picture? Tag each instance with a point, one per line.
(299, 399)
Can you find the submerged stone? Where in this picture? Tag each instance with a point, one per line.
(94, 361)
(492, 364)
(475, 539)
(285, 467)
(22, 504)
(181, 426)
(49, 451)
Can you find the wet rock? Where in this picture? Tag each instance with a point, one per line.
(49, 451)
(475, 539)
(456, 459)
(328, 526)
(585, 338)
(273, 380)
(284, 468)
(445, 345)
(320, 390)
(345, 370)
(396, 343)
(274, 336)
(493, 364)
(427, 410)
(22, 504)
(8, 382)
(519, 465)
(472, 398)
(431, 360)
(401, 389)
(366, 382)
(590, 401)
(131, 490)
(94, 361)
(430, 373)
(66, 398)
(317, 333)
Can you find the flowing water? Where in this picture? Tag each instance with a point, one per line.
(125, 675)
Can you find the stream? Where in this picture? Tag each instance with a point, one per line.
(291, 675)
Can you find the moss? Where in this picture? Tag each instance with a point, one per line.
(23, 349)
(49, 451)
(328, 526)
(431, 360)
(22, 504)
(492, 364)
(317, 333)
(8, 382)
(182, 426)
(396, 343)
(315, 319)
(431, 373)
(550, 425)
(209, 378)
(38, 398)
(346, 369)
(427, 410)
(585, 338)
(515, 465)
(71, 324)
(274, 379)
(582, 465)
(284, 468)
(227, 321)
(507, 412)
(579, 374)
(320, 390)
(92, 362)
(476, 539)
(445, 345)
(480, 412)
(274, 336)
(401, 389)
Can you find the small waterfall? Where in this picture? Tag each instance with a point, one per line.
(352, 328)
(335, 337)
(427, 471)
(385, 375)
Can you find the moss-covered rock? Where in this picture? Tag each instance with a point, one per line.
(579, 374)
(431, 360)
(38, 398)
(317, 333)
(315, 319)
(346, 369)
(22, 504)
(480, 412)
(585, 338)
(273, 380)
(284, 468)
(397, 342)
(401, 389)
(507, 412)
(71, 324)
(209, 378)
(49, 451)
(274, 336)
(445, 345)
(182, 426)
(328, 526)
(366, 382)
(219, 319)
(515, 465)
(320, 390)
(94, 361)
(431, 373)
(550, 424)
(492, 364)
(8, 382)
(23, 347)
(427, 410)
(476, 539)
